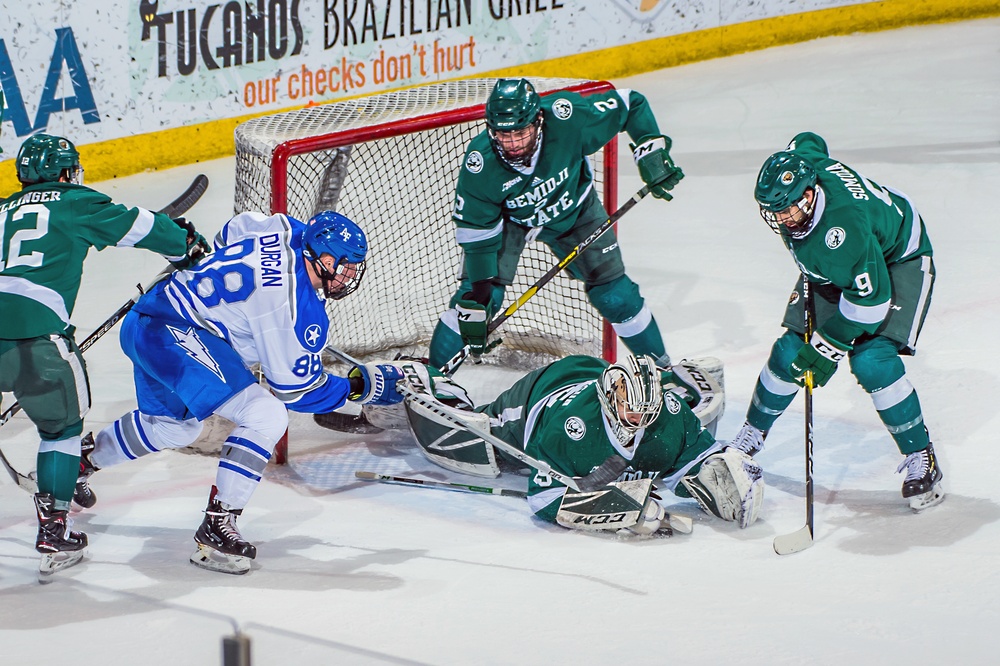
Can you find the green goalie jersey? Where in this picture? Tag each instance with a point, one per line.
(554, 414)
(548, 194)
(860, 228)
(46, 230)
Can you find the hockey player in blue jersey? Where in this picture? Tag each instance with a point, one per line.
(259, 299)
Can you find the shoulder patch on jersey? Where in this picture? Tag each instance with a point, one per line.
(474, 162)
(562, 108)
(575, 428)
(313, 337)
(793, 298)
(835, 237)
(673, 404)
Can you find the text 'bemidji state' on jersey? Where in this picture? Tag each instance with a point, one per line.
(549, 192)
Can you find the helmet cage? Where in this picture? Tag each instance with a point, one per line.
(631, 395)
(343, 280)
(523, 143)
(796, 220)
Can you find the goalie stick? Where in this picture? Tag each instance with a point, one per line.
(175, 208)
(444, 485)
(452, 365)
(802, 538)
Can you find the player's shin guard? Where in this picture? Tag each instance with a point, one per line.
(775, 388)
(58, 465)
(641, 335)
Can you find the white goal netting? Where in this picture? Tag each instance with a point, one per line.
(390, 162)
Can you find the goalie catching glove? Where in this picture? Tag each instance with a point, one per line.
(197, 246)
(657, 170)
(473, 326)
(729, 485)
(820, 357)
(375, 384)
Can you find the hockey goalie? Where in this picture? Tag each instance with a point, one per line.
(601, 439)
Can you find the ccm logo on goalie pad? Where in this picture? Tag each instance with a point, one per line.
(412, 376)
(604, 519)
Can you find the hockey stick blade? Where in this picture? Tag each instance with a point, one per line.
(443, 485)
(188, 198)
(26, 482)
(795, 542)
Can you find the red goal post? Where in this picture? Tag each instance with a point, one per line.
(390, 162)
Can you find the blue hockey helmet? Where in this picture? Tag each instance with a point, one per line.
(333, 234)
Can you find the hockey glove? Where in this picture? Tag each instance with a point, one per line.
(473, 325)
(197, 246)
(821, 357)
(656, 168)
(375, 384)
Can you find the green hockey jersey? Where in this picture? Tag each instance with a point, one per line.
(859, 229)
(554, 414)
(46, 230)
(550, 192)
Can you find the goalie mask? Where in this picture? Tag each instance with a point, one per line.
(332, 234)
(631, 396)
(44, 158)
(514, 121)
(786, 194)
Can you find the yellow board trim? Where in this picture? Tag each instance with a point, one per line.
(213, 140)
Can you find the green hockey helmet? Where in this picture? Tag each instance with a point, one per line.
(514, 120)
(43, 158)
(781, 193)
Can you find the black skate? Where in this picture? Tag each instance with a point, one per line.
(922, 485)
(221, 547)
(82, 494)
(60, 547)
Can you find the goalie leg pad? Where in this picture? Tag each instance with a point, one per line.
(729, 485)
(450, 446)
(699, 386)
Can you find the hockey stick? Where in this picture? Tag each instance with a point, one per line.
(459, 487)
(175, 208)
(452, 365)
(802, 538)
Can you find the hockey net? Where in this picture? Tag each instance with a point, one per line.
(390, 162)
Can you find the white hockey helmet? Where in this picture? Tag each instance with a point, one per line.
(631, 395)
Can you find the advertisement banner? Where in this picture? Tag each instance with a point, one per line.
(96, 71)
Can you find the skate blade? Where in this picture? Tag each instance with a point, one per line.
(53, 562)
(211, 559)
(932, 497)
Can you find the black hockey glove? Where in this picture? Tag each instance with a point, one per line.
(197, 246)
(652, 156)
